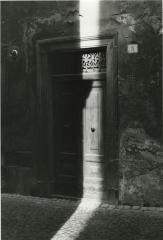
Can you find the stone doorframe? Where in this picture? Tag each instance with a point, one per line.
(44, 145)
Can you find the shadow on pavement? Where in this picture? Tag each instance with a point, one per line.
(123, 225)
(27, 218)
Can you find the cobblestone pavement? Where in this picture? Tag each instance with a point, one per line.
(29, 218)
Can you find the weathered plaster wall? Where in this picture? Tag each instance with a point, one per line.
(140, 109)
(139, 84)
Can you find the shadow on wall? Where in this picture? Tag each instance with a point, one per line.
(34, 218)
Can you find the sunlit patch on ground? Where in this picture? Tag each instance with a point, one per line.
(78, 221)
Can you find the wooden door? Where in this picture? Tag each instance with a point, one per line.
(88, 153)
(68, 138)
(79, 137)
(93, 119)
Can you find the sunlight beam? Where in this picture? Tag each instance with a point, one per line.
(89, 26)
(89, 21)
(78, 221)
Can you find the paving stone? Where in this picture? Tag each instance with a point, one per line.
(145, 208)
(127, 207)
(111, 206)
(135, 207)
(159, 209)
(152, 208)
(105, 205)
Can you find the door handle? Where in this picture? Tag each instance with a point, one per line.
(93, 129)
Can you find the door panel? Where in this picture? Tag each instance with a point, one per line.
(93, 120)
(67, 115)
(94, 139)
(78, 131)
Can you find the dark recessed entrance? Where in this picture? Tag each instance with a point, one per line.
(79, 116)
(78, 136)
(78, 79)
(68, 137)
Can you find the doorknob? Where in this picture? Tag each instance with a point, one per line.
(93, 129)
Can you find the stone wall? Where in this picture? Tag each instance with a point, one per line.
(140, 109)
(139, 86)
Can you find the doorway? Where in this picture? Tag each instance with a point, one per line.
(78, 136)
(77, 111)
(68, 137)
